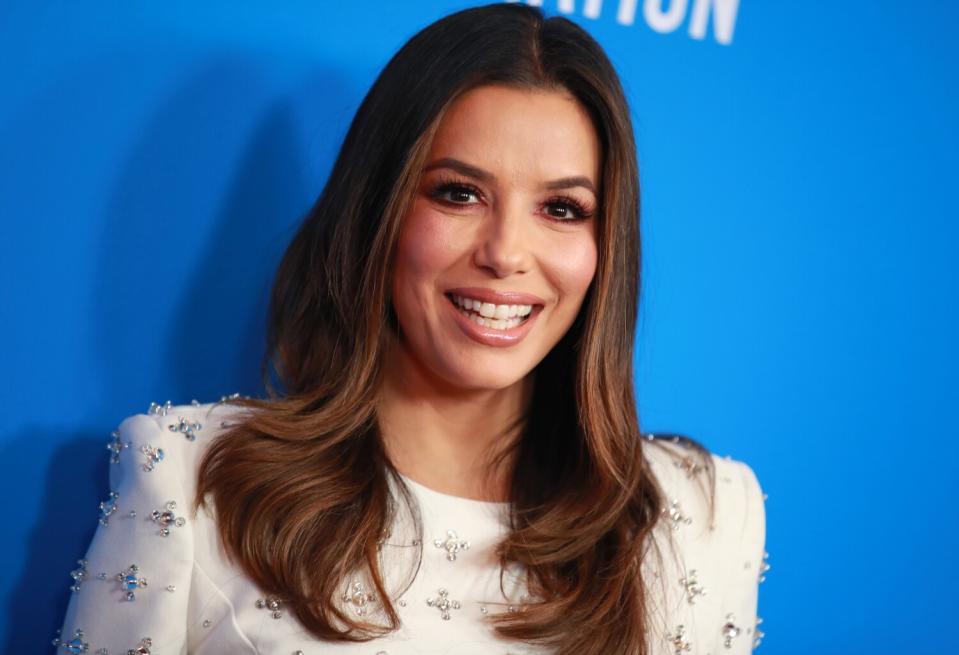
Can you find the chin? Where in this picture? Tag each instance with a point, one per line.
(491, 380)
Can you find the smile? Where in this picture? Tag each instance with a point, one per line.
(489, 315)
(492, 324)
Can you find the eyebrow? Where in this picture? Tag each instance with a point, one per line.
(478, 173)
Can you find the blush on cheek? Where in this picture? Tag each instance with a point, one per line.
(426, 244)
(576, 266)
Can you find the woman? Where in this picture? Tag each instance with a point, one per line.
(454, 463)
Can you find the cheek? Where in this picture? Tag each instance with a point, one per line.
(424, 249)
(574, 266)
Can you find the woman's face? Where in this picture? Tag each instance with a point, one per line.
(499, 247)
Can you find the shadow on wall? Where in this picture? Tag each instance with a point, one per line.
(201, 211)
(200, 215)
(73, 484)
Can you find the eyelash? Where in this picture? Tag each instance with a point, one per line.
(449, 184)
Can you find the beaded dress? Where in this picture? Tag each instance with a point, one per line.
(156, 580)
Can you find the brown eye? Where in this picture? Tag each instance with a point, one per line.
(575, 211)
(564, 207)
(458, 194)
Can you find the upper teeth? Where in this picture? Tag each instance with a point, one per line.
(489, 310)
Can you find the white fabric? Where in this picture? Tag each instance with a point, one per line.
(212, 607)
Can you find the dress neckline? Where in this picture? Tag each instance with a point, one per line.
(462, 501)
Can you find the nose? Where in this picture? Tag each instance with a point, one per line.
(504, 246)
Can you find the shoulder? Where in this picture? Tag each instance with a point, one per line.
(164, 445)
(168, 429)
(146, 532)
(714, 522)
(706, 481)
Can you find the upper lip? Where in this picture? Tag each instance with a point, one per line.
(497, 297)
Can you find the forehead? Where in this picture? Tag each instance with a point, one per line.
(520, 135)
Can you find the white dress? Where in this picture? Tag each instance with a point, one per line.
(156, 579)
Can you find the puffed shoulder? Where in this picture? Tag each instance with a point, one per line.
(716, 525)
(133, 588)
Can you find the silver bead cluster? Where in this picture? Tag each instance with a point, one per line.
(79, 574)
(77, 645)
(74, 645)
(142, 648)
(692, 587)
(675, 514)
(689, 465)
(730, 631)
(157, 409)
(154, 457)
(452, 544)
(274, 605)
(358, 598)
(678, 641)
(757, 633)
(443, 603)
(166, 518)
(130, 581)
(116, 446)
(108, 507)
(187, 427)
(763, 567)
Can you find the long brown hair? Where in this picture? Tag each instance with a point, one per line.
(307, 468)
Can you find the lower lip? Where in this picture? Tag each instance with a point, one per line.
(492, 336)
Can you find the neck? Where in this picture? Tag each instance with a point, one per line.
(446, 438)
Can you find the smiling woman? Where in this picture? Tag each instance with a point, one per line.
(454, 462)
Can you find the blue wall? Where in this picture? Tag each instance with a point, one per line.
(797, 163)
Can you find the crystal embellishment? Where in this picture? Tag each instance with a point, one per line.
(187, 427)
(116, 446)
(130, 581)
(108, 507)
(452, 544)
(358, 598)
(675, 515)
(142, 648)
(443, 603)
(157, 409)
(154, 457)
(693, 587)
(678, 641)
(730, 631)
(167, 519)
(274, 605)
(79, 574)
(688, 465)
(74, 645)
(758, 634)
(763, 567)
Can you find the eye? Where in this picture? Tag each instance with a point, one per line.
(457, 193)
(575, 210)
(457, 190)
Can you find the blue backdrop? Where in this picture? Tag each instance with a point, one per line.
(799, 216)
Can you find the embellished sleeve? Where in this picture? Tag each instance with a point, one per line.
(131, 590)
(743, 592)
